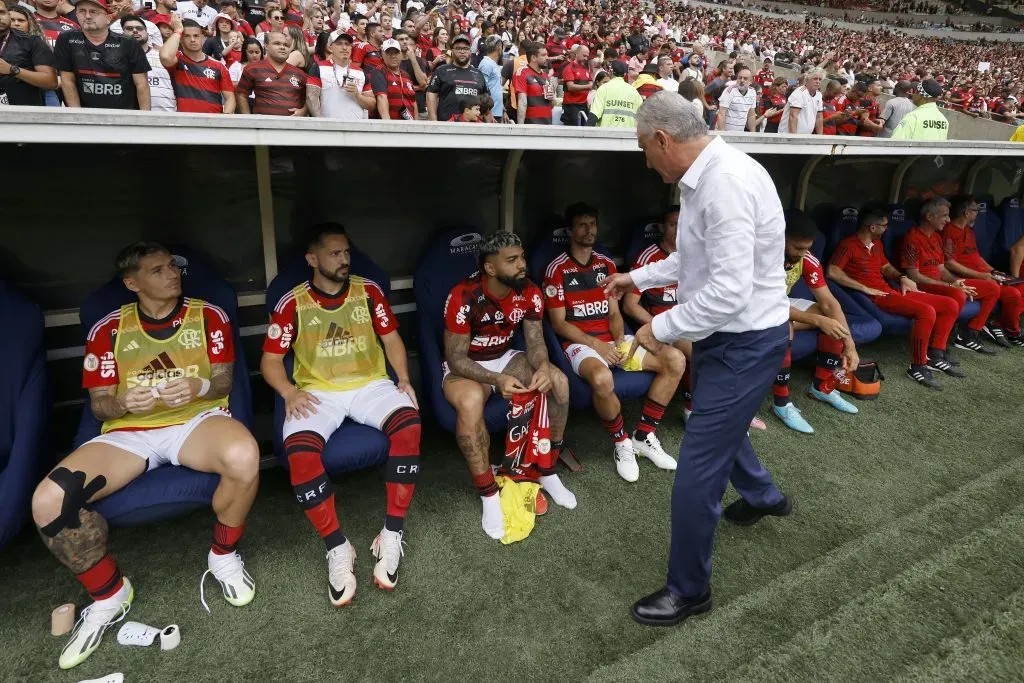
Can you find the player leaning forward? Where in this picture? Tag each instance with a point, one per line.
(336, 324)
(482, 314)
(158, 373)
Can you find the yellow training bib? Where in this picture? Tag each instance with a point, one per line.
(336, 350)
(143, 361)
(794, 274)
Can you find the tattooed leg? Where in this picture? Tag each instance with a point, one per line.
(468, 398)
(76, 535)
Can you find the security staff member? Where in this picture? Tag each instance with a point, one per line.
(616, 102)
(926, 122)
(26, 65)
(736, 313)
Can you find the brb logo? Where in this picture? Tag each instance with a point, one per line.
(91, 88)
(465, 244)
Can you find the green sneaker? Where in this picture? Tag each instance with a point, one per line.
(94, 620)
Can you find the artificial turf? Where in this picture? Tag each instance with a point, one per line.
(904, 560)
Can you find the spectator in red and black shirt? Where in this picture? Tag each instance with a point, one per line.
(369, 52)
(765, 77)
(773, 97)
(870, 123)
(556, 52)
(202, 85)
(535, 95)
(396, 97)
(578, 84)
(280, 87)
(52, 23)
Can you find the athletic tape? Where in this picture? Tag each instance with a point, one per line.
(170, 637)
(76, 495)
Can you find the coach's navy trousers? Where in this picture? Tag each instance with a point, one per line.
(732, 373)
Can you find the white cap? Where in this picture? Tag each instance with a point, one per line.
(390, 44)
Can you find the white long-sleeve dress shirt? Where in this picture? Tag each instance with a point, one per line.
(730, 248)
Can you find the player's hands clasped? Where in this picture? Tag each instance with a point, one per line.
(300, 404)
(541, 380)
(178, 392)
(140, 400)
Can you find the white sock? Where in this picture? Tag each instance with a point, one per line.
(556, 489)
(117, 598)
(493, 520)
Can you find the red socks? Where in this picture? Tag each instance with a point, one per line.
(615, 428)
(485, 483)
(313, 488)
(650, 418)
(403, 429)
(225, 538)
(103, 579)
(830, 353)
(780, 390)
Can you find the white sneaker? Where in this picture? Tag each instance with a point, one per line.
(94, 620)
(238, 587)
(341, 580)
(625, 461)
(493, 518)
(387, 548)
(651, 449)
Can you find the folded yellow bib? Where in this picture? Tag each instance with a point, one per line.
(636, 363)
(519, 505)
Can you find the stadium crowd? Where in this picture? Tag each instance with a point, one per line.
(469, 61)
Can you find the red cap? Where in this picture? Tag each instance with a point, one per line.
(101, 3)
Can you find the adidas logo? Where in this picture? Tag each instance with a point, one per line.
(131, 346)
(316, 321)
(486, 318)
(573, 282)
(269, 80)
(161, 362)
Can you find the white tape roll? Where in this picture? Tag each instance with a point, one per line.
(170, 637)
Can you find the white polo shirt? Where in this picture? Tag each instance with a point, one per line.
(736, 105)
(810, 106)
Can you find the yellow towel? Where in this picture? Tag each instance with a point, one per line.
(518, 503)
(636, 363)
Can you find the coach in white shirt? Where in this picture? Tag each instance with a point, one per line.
(733, 307)
(802, 113)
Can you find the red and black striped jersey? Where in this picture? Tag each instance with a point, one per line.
(277, 92)
(576, 287)
(656, 299)
(530, 84)
(52, 28)
(199, 87)
(490, 322)
(399, 90)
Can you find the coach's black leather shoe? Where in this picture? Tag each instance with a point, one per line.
(665, 608)
(744, 514)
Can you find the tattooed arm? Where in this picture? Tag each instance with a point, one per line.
(456, 352)
(221, 380)
(536, 349)
(107, 405)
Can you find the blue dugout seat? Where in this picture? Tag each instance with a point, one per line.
(449, 259)
(167, 491)
(987, 228)
(24, 409)
(1012, 232)
(353, 446)
(627, 384)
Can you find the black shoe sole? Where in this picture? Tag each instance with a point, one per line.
(764, 512)
(693, 610)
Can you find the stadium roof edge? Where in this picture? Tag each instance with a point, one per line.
(30, 125)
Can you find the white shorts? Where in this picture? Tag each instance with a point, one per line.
(159, 446)
(577, 353)
(494, 365)
(369, 405)
(801, 304)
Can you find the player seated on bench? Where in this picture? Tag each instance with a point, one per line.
(159, 373)
(481, 315)
(592, 333)
(836, 348)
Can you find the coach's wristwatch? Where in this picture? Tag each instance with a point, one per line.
(15, 70)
